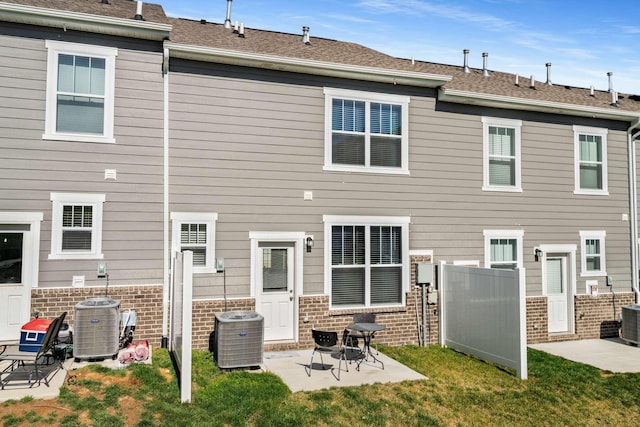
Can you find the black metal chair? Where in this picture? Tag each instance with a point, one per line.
(355, 336)
(32, 366)
(327, 342)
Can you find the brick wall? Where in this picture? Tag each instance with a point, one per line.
(594, 317)
(145, 300)
(537, 325)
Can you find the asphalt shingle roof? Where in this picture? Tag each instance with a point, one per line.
(125, 9)
(213, 35)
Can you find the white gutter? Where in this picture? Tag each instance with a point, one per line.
(83, 22)
(513, 103)
(305, 66)
(633, 201)
(165, 198)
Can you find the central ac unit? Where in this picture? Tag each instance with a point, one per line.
(631, 323)
(96, 329)
(238, 339)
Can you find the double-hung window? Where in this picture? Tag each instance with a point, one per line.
(195, 232)
(503, 249)
(501, 146)
(367, 260)
(76, 229)
(366, 132)
(592, 253)
(590, 160)
(80, 92)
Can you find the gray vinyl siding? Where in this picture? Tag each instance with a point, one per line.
(32, 168)
(247, 143)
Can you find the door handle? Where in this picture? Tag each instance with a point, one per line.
(291, 298)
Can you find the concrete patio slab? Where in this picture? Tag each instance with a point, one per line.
(611, 354)
(293, 368)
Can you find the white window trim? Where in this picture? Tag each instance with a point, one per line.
(59, 201)
(31, 243)
(602, 132)
(109, 54)
(208, 218)
(504, 123)
(367, 97)
(518, 235)
(331, 220)
(593, 235)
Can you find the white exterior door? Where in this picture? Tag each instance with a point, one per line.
(557, 293)
(15, 286)
(275, 298)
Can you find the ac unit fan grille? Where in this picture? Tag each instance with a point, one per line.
(239, 340)
(96, 330)
(631, 323)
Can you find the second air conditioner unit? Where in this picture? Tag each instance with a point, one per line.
(96, 325)
(631, 323)
(238, 339)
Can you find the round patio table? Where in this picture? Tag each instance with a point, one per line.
(367, 330)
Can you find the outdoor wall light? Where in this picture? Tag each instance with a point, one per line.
(309, 243)
(537, 254)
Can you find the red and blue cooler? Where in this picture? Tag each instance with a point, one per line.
(32, 334)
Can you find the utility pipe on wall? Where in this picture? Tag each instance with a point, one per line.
(165, 201)
(633, 201)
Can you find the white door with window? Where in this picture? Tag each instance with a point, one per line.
(19, 248)
(557, 293)
(275, 286)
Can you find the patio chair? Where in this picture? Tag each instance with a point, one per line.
(32, 366)
(354, 336)
(327, 342)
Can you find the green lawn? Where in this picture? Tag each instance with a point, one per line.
(461, 390)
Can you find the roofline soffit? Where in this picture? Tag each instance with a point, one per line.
(306, 66)
(513, 103)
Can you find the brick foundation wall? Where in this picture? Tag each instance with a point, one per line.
(145, 300)
(594, 317)
(537, 325)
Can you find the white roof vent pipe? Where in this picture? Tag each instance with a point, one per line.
(305, 35)
(609, 74)
(485, 70)
(614, 98)
(466, 61)
(533, 82)
(138, 16)
(227, 20)
(548, 65)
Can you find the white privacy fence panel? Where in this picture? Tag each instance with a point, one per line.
(483, 313)
(181, 319)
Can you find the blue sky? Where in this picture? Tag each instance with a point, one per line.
(582, 39)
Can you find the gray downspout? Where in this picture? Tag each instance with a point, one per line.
(165, 201)
(633, 201)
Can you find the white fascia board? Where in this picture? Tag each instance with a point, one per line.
(296, 65)
(84, 22)
(512, 103)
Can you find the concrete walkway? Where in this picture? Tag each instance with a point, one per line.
(611, 354)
